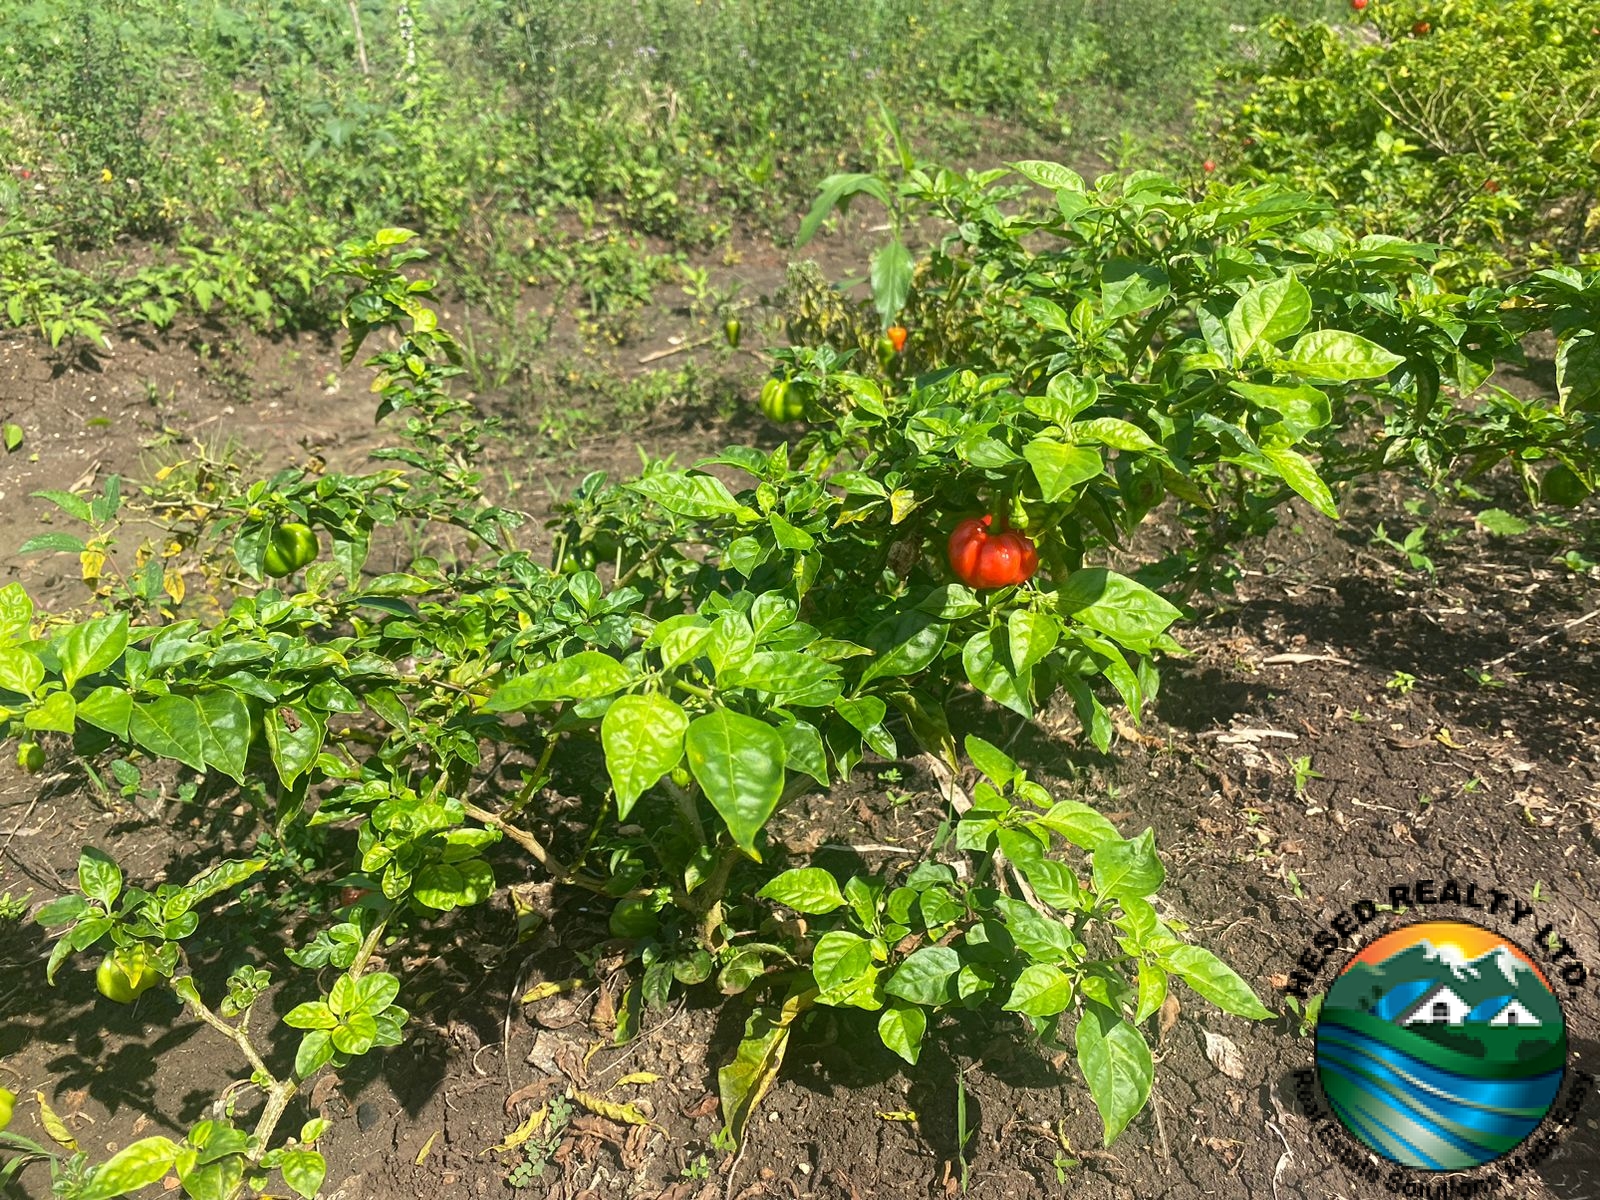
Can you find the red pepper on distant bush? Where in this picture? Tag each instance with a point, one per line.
(982, 559)
(897, 337)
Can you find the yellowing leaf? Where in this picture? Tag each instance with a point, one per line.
(638, 1077)
(552, 987)
(743, 1082)
(422, 1155)
(54, 1125)
(93, 562)
(906, 1115)
(172, 584)
(519, 1135)
(902, 502)
(626, 1114)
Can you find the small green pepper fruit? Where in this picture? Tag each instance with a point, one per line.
(30, 757)
(632, 918)
(292, 546)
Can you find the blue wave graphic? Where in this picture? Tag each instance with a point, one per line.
(1420, 1115)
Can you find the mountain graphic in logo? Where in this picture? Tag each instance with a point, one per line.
(1441, 1046)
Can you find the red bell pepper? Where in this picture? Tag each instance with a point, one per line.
(982, 559)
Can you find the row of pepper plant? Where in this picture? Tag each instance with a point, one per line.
(733, 635)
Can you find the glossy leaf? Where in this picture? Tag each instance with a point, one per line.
(1296, 470)
(1215, 980)
(838, 957)
(1040, 991)
(1116, 1065)
(303, 1170)
(985, 658)
(92, 646)
(901, 1028)
(20, 671)
(1268, 312)
(583, 676)
(108, 708)
(224, 731)
(169, 727)
(1128, 868)
(643, 740)
(135, 1166)
(905, 645)
(1336, 355)
(99, 877)
(738, 762)
(809, 890)
(16, 613)
(294, 736)
(1117, 606)
(924, 978)
(1058, 468)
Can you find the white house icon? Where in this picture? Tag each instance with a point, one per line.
(1514, 1014)
(1440, 1006)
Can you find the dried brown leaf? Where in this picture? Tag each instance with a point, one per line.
(1223, 1053)
(703, 1107)
(1169, 1016)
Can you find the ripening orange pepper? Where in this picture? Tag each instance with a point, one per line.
(982, 559)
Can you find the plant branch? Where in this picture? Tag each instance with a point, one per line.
(533, 846)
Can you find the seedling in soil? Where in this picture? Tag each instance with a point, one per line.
(1401, 683)
(1303, 774)
(541, 1147)
(963, 1134)
(1305, 1013)
(724, 1142)
(1411, 548)
(700, 1168)
(1064, 1160)
(1484, 679)
(13, 908)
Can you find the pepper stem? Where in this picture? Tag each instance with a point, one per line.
(999, 512)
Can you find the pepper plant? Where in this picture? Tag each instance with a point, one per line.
(727, 636)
